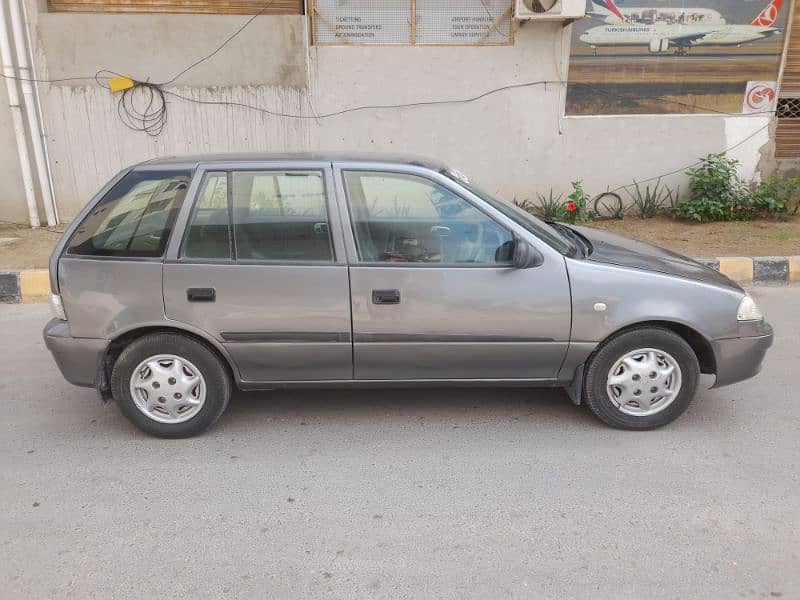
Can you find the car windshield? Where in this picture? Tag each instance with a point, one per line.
(536, 226)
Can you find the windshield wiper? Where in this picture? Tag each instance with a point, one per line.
(576, 238)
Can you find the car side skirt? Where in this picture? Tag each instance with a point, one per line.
(398, 383)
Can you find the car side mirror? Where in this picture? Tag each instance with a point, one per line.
(525, 256)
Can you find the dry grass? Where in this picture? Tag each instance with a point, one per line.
(750, 238)
(31, 250)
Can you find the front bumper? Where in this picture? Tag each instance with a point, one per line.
(77, 358)
(740, 358)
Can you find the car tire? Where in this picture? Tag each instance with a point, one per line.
(619, 385)
(170, 385)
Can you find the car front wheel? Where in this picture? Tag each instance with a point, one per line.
(170, 385)
(642, 378)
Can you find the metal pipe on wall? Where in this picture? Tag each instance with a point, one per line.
(32, 56)
(31, 112)
(16, 117)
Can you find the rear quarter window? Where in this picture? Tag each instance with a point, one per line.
(135, 218)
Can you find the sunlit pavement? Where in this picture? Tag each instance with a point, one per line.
(430, 493)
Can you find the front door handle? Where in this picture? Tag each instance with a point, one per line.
(386, 296)
(201, 294)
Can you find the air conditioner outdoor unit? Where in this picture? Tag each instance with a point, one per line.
(550, 10)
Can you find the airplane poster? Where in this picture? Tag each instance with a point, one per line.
(666, 56)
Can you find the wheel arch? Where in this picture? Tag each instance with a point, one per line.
(699, 344)
(117, 344)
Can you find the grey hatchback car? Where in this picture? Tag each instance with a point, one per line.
(185, 277)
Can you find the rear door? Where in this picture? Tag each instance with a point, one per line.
(434, 294)
(261, 268)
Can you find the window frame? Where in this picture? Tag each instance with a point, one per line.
(196, 206)
(315, 16)
(175, 253)
(62, 250)
(343, 169)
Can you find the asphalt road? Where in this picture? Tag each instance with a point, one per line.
(399, 494)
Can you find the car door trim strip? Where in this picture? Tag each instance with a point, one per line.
(443, 338)
(285, 337)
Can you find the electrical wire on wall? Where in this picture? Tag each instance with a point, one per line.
(141, 107)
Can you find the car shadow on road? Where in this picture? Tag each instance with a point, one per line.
(403, 405)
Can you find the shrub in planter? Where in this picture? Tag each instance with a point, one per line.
(717, 193)
(577, 204)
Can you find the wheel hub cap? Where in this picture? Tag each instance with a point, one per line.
(644, 382)
(168, 388)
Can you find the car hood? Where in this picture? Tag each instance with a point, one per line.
(615, 249)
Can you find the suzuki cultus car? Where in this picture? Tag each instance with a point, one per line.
(185, 277)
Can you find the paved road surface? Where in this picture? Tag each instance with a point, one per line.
(399, 494)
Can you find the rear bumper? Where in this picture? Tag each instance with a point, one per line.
(741, 358)
(77, 358)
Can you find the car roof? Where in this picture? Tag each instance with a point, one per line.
(244, 157)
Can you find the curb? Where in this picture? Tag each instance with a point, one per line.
(24, 286)
(34, 285)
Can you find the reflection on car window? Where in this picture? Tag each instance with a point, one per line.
(536, 226)
(134, 218)
(405, 218)
(281, 216)
(209, 233)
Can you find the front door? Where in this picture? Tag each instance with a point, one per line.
(434, 295)
(262, 269)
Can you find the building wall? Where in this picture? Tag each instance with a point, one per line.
(514, 142)
(12, 194)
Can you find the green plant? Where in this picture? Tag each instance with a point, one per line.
(551, 207)
(577, 205)
(525, 205)
(651, 201)
(776, 195)
(717, 193)
(765, 198)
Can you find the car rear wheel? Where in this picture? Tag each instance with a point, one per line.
(642, 378)
(170, 385)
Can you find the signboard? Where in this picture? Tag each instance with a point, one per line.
(362, 21)
(412, 22)
(466, 22)
(760, 97)
(675, 56)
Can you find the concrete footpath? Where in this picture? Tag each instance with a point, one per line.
(34, 285)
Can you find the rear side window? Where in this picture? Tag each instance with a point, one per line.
(280, 216)
(209, 233)
(135, 217)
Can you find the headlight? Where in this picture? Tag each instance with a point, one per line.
(57, 307)
(748, 310)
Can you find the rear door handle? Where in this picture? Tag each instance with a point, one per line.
(201, 294)
(386, 296)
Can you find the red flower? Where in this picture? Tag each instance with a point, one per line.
(571, 206)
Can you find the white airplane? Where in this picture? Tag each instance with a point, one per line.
(608, 12)
(660, 37)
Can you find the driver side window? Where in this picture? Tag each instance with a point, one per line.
(406, 218)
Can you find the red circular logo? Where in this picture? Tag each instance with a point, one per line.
(760, 97)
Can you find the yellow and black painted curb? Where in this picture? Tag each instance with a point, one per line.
(34, 285)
